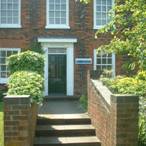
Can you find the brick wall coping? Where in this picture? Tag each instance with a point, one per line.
(117, 98)
(108, 96)
(17, 96)
(104, 91)
(17, 99)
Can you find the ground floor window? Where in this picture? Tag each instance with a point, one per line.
(104, 61)
(4, 71)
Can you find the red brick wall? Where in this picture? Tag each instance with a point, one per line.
(19, 121)
(116, 122)
(81, 26)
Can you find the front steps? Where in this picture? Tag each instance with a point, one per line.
(65, 130)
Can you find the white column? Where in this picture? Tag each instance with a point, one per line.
(46, 71)
(70, 71)
(113, 64)
(95, 60)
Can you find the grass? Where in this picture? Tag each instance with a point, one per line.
(1, 125)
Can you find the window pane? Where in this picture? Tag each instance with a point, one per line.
(103, 7)
(63, 21)
(4, 72)
(109, 2)
(104, 61)
(51, 20)
(2, 60)
(98, 61)
(9, 11)
(98, 2)
(57, 11)
(57, 21)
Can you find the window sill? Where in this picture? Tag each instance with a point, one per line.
(57, 27)
(98, 27)
(3, 80)
(10, 26)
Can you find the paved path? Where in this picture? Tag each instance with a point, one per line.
(61, 106)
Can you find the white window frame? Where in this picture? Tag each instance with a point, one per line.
(5, 80)
(95, 26)
(113, 62)
(14, 25)
(57, 26)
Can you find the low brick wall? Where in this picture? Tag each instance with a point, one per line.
(115, 117)
(19, 121)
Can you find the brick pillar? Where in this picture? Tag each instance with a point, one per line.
(124, 110)
(16, 120)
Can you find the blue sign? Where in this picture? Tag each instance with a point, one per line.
(83, 61)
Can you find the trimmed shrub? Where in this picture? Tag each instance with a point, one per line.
(26, 83)
(26, 61)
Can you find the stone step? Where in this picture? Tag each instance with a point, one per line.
(58, 119)
(65, 130)
(67, 141)
(48, 98)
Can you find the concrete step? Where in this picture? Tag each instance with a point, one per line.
(67, 141)
(48, 98)
(62, 119)
(65, 130)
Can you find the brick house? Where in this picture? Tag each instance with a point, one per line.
(66, 30)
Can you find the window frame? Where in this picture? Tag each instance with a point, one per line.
(113, 65)
(5, 80)
(95, 26)
(19, 20)
(57, 26)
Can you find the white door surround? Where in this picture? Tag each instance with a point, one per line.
(60, 43)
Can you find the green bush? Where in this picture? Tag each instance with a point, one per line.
(2, 91)
(26, 61)
(26, 83)
(36, 47)
(125, 85)
(84, 102)
(141, 75)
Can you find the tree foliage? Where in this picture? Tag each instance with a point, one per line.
(128, 28)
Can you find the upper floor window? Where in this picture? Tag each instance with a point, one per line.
(101, 12)
(4, 71)
(10, 14)
(104, 61)
(57, 14)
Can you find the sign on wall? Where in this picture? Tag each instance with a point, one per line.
(83, 61)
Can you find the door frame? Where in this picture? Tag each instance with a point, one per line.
(68, 44)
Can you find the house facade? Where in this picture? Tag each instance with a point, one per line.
(66, 30)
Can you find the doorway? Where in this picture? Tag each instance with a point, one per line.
(57, 70)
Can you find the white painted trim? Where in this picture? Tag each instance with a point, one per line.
(57, 26)
(57, 53)
(95, 60)
(14, 25)
(5, 80)
(10, 26)
(70, 71)
(57, 40)
(46, 71)
(70, 63)
(114, 64)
